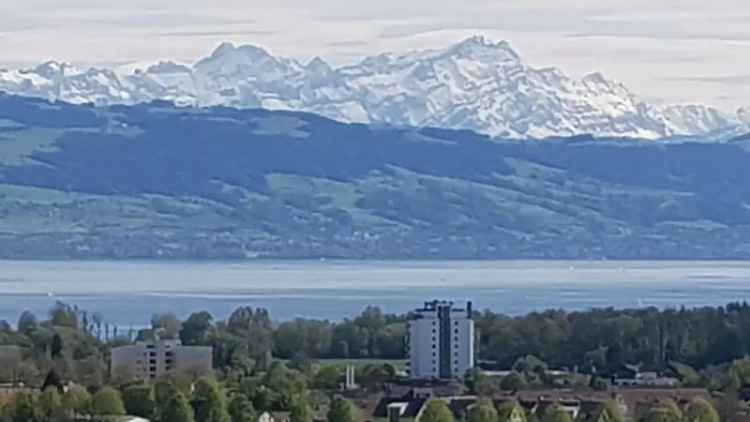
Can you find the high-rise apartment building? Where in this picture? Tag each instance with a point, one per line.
(441, 341)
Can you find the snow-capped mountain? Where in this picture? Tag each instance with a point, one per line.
(476, 84)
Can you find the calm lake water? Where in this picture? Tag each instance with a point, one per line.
(128, 293)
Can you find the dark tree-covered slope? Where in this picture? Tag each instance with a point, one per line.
(155, 181)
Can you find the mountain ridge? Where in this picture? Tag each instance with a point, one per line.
(475, 84)
(161, 182)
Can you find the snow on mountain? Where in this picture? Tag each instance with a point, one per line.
(744, 116)
(695, 119)
(476, 84)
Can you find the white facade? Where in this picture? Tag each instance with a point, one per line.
(441, 341)
(150, 360)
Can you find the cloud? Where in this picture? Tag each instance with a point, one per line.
(662, 35)
(139, 19)
(225, 33)
(734, 80)
(348, 44)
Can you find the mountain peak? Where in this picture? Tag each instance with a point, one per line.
(168, 67)
(224, 49)
(232, 58)
(596, 77)
(478, 46)
(318, 64)
(51, 69)
(228, 49)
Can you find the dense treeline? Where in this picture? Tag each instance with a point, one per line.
(601, 341)
(608, 338)
(313, 187)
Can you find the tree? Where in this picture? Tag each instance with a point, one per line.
(483, 412)
(436, 411)
(27, 323)
(666, 412)
(107, 402)
(673, 409)
(342, 410)
(168, 385)
(167, 326)
(255, 327)
(286, 384)
(513, 381)
(700, 410)
(50, 404)
(90, 371)
(76, 401)
(139, 401)
(511, 410)
(164, 390)
(530, 364)
(23, 409)
(195, 330)
(241, 409)
(613, 410)
(52, 380)
(62, 315)
(301, 411)
(311, 338)
(209, 402)
(56, 347)
(328, 377)
(556, 414)
(177, 409)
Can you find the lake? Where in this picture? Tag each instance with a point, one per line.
(128, 293)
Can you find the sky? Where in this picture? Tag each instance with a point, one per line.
(666, 51)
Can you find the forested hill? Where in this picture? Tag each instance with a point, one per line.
(154, 181)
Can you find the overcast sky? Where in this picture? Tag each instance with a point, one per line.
(664, 50)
